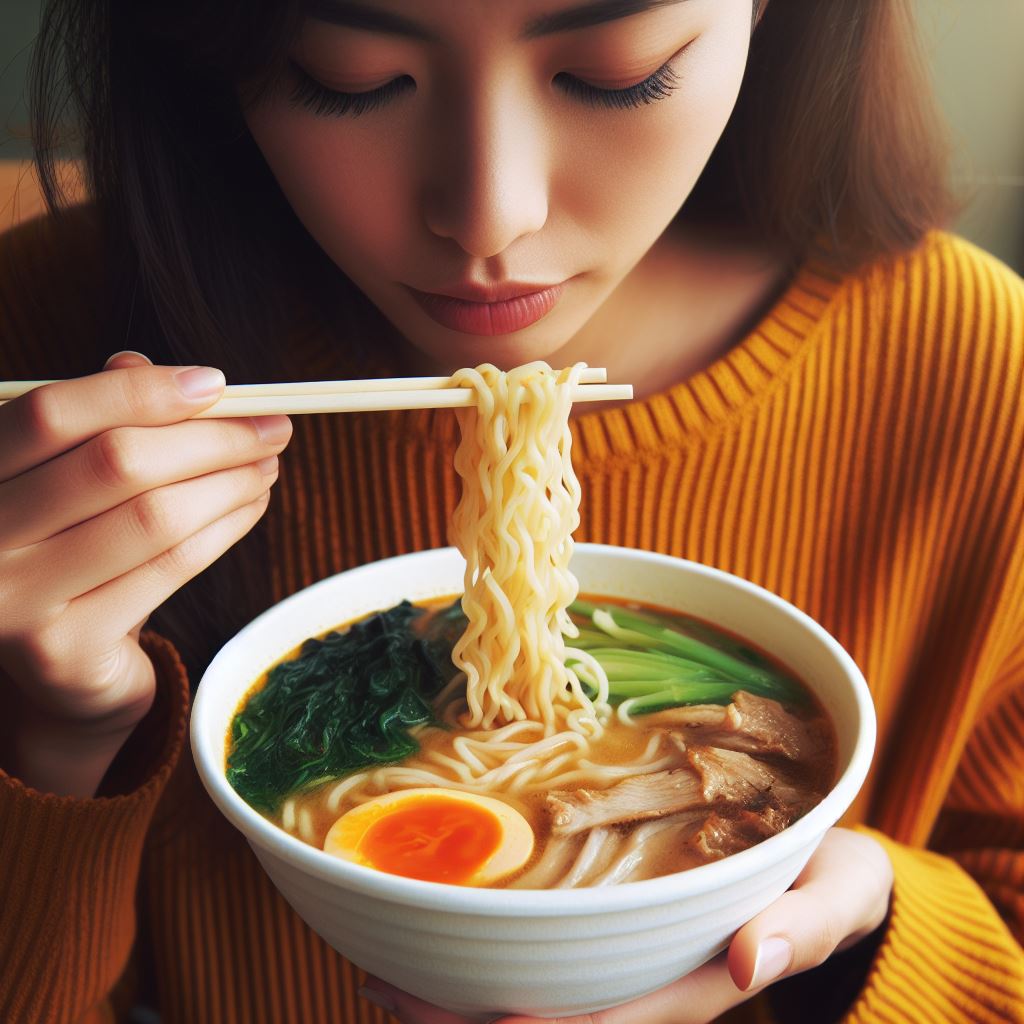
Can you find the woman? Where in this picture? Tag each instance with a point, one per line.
(730, 206)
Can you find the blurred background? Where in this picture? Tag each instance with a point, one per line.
(973, 47)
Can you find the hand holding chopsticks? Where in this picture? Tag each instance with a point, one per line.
(354, 395)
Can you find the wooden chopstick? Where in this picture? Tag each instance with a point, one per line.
(379, 401)
(354, 395)
(590, 375)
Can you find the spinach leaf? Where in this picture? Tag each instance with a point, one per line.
(346, 702)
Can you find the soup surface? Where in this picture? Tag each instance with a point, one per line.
(706, 746)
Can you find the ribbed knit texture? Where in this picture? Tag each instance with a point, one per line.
(860, 454)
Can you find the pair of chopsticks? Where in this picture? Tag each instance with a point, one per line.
(354, 395)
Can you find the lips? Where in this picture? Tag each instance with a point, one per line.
(502, 310)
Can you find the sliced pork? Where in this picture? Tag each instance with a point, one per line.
(715, 776)
(722, 835)
(639, 798)
(729, 775)
(750, 724)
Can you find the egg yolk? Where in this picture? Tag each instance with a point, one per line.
(433, 838)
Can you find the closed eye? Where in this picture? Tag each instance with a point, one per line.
(654, 87)
(317, 98)
(323, 101)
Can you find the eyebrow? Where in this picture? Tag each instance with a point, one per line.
(352, 14)
(585, 16)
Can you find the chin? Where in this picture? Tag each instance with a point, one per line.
(505, 351)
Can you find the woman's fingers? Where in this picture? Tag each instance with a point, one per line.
(119, 464)
(125, 358)
(700, 997)
(56, 417)
(841, 896)
(119, 603)
(407, 1008)
(696, 999)
(134, 533)
(102, 688)
(108, 687)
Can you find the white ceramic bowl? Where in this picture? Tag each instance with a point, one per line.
(550, 953)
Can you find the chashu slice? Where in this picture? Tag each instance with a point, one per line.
(722, 835)
(750, 725)
(714, 776)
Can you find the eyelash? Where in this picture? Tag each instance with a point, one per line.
(324, 102)
(654, 87)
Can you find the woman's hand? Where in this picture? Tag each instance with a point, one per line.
(111, 499)
(841, 896)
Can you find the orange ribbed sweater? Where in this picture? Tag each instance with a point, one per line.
(860, 453)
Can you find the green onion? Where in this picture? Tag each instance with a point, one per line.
(676, 696)
(624, 663)
(667, 659)
(636, 630)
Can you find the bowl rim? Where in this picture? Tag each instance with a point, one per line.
(693, 882)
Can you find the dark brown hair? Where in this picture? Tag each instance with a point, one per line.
(836, 142)
(834, 146)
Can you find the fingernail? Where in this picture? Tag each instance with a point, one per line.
(127, 352)
(377, 998)
(272, 428)
(774, 955)
(199, 381)
(267, 466)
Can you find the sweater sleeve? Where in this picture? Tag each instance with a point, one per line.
(70, 867)
(946, 954)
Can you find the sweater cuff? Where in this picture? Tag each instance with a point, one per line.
(70, 864)
(946, 954)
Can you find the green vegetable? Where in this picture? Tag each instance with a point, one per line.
(347, 701)
(646, 656)
(623, 663)
(675, 696)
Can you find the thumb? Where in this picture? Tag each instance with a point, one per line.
(841, 896)
(125, 358)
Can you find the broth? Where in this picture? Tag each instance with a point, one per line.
(755, 790)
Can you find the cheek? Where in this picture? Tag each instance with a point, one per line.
(346, 186)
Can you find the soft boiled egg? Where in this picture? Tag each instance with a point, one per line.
(434, 834)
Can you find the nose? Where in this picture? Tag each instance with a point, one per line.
(488, 181)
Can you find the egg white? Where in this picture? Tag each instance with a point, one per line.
(514, 848)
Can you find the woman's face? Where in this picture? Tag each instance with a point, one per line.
(489, 172)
